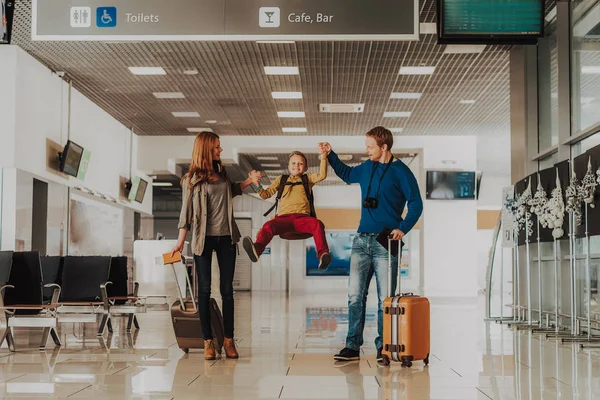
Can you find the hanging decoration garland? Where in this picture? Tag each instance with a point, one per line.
(588, 185)
(523, 217)
(538, 203)
(554, 212)
(574, 195)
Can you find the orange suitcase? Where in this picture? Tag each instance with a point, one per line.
(405, 326)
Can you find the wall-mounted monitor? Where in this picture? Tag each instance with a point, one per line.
(490, 21)
(70, 158)
(6, 19)
(138, 189)
(451, 185)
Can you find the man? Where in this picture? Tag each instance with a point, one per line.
(387, 186)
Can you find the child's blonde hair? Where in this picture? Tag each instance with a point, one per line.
(301, 154)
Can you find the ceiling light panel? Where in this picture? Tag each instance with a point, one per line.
(294, 130)
(169, 95)
(291, 114)
(282, 71)
(405, 96)
(286, 95)
(417, 70)
(185, 114)
(397, 114)
(147, 70)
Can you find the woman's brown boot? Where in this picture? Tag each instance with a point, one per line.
(209, 350)
(230, 350)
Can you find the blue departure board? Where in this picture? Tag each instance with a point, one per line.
(491, 18)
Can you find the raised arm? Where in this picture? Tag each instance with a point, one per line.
(315, 178)
(238, 187)
(346, 173)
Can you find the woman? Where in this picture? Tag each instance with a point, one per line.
(207, 210)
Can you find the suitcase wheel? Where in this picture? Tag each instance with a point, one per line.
(186, 350)
(426, 360)
(385, 361)
(407, 364)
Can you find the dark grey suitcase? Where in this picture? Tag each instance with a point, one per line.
(186, 320)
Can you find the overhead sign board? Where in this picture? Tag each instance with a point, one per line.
(182, 20)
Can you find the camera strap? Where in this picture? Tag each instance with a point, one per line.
(375, 166)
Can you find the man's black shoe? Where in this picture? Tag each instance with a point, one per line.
(347, 355)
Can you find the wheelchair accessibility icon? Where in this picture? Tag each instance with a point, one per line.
(106, 17)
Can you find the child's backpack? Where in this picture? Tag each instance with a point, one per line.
(309, 194)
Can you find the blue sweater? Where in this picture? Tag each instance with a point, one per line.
(398, 188)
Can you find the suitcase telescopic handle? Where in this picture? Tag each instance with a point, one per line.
(187, 279)
(390, 274)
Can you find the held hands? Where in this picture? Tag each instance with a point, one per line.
(324, 148)
(255, 177)
(396, 234)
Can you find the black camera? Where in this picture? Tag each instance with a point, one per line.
(370, 202)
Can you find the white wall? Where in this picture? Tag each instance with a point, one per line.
(449, 233)
(34, 108)
(8, 66)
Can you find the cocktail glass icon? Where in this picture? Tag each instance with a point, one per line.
(269, 15)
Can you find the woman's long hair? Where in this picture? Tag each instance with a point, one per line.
(203, 166)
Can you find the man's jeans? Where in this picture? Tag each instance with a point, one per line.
(368, 258)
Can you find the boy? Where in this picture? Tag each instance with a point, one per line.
(296, 213)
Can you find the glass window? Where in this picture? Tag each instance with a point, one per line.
(548, 162)
(548, 89)
(581, 147)
(585, 59)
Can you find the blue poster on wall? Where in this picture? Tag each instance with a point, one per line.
(340, 247)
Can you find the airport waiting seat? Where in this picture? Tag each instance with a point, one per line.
(122, 302)
(83, 290)
(22, 302)
(51, 272)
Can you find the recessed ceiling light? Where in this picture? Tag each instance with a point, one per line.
(168, 95)
(294, 130)
(275, 41)
(464, 48)
(406, 96)
(345, 157)
(417, 70)
(467, 102)
(191, 72)
(590, 70)
(147, 71)
(286, 95)
(396, 130)
(397, 114)
(185, 114)
(199, 130)
(163, 184)
(211, 121)
(272, 165)
(267, 158)
(282, 71)
(427, 28)
(291, 114)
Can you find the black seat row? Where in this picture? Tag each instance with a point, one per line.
(46, 287)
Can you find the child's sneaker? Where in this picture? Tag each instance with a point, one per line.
(250, 249)
(325, 260)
